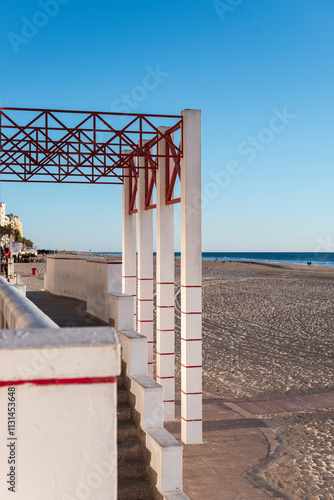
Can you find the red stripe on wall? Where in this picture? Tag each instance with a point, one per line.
(60, 381)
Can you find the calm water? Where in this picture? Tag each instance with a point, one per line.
(319, 259)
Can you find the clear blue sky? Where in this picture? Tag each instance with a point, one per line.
(244, 66)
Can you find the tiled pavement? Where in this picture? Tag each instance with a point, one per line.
(289, 405)
(232, 445)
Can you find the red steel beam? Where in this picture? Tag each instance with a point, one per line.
(64, 145)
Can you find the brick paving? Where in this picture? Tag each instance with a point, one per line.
(298, 404)
(232, 446)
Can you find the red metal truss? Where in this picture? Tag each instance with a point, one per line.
(173, 171)
(150, 182)
(133, 188)
(39, 145)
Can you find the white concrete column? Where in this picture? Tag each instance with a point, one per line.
(191, 280)
(145, 268)
(129, 258)
(165, 288)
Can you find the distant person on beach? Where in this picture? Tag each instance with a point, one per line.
(7, 255)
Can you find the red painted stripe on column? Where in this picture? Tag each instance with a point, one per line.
(150, 341)
(169, 401)
(182, 312)
(145, 279)
(164, 378)
(145, 300)
(166, 353)
(145, 320)
(192, 393)
(191, 340)
(165, 283)
(60, 381)
(195, 420)
(158, 330)
(129, 276)
(166, 307)
(184, 366)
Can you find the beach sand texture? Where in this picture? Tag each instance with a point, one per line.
(268, 333)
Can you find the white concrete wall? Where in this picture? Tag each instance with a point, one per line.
(89, 280)
(64, 440)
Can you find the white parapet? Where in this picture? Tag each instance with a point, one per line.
(166, 459)
(85, 279)
(134, 352)
(16, 311)
(61, 441)
(166, 452)
(121, 310)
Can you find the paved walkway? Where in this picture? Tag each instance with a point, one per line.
(293, 404)
(222, 468)
(63, 311)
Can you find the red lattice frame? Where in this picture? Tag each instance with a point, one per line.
(39, 145)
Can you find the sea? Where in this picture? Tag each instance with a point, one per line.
(316, 258)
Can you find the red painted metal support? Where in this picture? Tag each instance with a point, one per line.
(39, 145)
(173, 171)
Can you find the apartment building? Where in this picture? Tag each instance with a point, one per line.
(3, 217)
(15, 222)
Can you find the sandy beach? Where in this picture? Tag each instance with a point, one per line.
(268, 333)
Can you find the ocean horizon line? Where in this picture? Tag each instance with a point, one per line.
(325, 259)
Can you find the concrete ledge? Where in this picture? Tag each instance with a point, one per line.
(62, 353)
(166, 459)
(134, 352)
(149, 401)
(121, 307)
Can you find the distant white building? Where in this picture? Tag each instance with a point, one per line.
(15, 222)
(3, 217)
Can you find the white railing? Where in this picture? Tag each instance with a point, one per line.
(16, 311)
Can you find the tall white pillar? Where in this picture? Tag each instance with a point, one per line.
(129, 258)
(145, 267)
(165, 288)
(191, 280)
